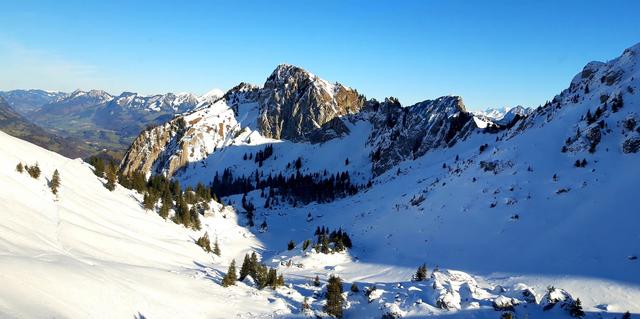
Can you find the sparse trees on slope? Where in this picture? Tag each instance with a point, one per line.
(335, 300)
(19, 168)
(230, 278)
(55, 182)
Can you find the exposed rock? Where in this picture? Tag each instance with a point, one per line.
(409, 132)
(502, 303)
(294, 103)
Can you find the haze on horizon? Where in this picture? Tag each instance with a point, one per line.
(495, 54)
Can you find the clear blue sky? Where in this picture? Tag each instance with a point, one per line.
(492, 53)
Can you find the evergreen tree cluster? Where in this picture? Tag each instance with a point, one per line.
(98, 165)
(580, 163)
(261, 156)
(261, 274)
(592, 118)
(188, 204)
(330, 242)
(297, 187)
(110, 171)
(617, 103)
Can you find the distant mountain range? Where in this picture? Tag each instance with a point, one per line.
(15, 124)
(95, 118)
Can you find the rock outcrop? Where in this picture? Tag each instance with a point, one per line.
(295, 103)
(408, 132)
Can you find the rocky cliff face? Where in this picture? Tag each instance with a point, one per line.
(295, 103)
(188, 138)
(401, 133)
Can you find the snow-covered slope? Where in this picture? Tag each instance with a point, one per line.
(91, 253)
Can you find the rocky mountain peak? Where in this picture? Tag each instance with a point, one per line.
(294, 103)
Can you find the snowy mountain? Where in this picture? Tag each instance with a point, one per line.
(25, 101)
(521, 202)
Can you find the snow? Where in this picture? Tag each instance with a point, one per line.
(89, 252)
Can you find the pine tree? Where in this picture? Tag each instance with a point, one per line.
(305, 244)
(230, 278)
(421, 274)
(280, 281)
(98, 165)
(55, 182)
(149, 201)
(354, 288)
(20, 168)
(335, 300)
(575, 310)
(167, 202)
(316, 281)
(111, 177)
(291, 245)
(626, 315)
(216, 248)
(272, 278)
(245, 269)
